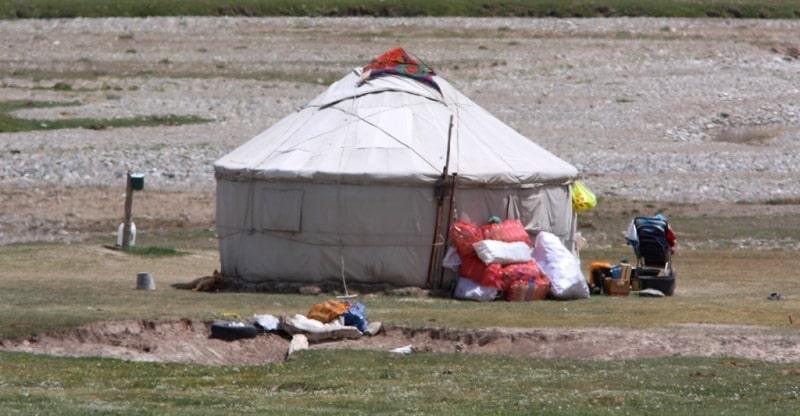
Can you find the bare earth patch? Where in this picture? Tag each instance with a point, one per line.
(188, 341)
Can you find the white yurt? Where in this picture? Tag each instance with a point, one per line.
(358, 183)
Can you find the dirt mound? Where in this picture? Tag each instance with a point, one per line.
(181, 341)
(188, 341)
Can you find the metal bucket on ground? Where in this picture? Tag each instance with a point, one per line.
(144, 281)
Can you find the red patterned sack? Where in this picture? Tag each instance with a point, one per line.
(524, 281)
(472, 268)
(509, 231)
(493, 276)
(464, 235)
(522, 271)
(542, 288)
(520, 290)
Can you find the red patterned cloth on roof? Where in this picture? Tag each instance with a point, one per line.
(397, 62)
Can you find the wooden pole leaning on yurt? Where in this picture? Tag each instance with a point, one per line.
(450, 212)
(440, 189)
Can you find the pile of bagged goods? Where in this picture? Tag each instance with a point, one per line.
(499, 261)
(329, 320)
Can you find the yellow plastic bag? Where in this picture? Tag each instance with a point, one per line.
(327, 311)
(583, 199)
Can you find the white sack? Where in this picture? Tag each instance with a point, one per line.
(632, 236)
(557, 263)
(470, 290)
(306, 324)
(316, 331)
(268, 322)
(494, 251)
(451, 259)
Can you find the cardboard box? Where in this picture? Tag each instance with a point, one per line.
(619, 287)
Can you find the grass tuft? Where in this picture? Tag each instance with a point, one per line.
(11, 124)
(154, 251)
(783, 201)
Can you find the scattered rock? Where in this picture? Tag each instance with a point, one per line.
(776, 296)
(299, 343)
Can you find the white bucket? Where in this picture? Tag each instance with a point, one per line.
(121, 231)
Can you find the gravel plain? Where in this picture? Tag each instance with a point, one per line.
(684, 110)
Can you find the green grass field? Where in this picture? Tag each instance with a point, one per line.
(376, 383)
(51, 287)
(772, 9)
